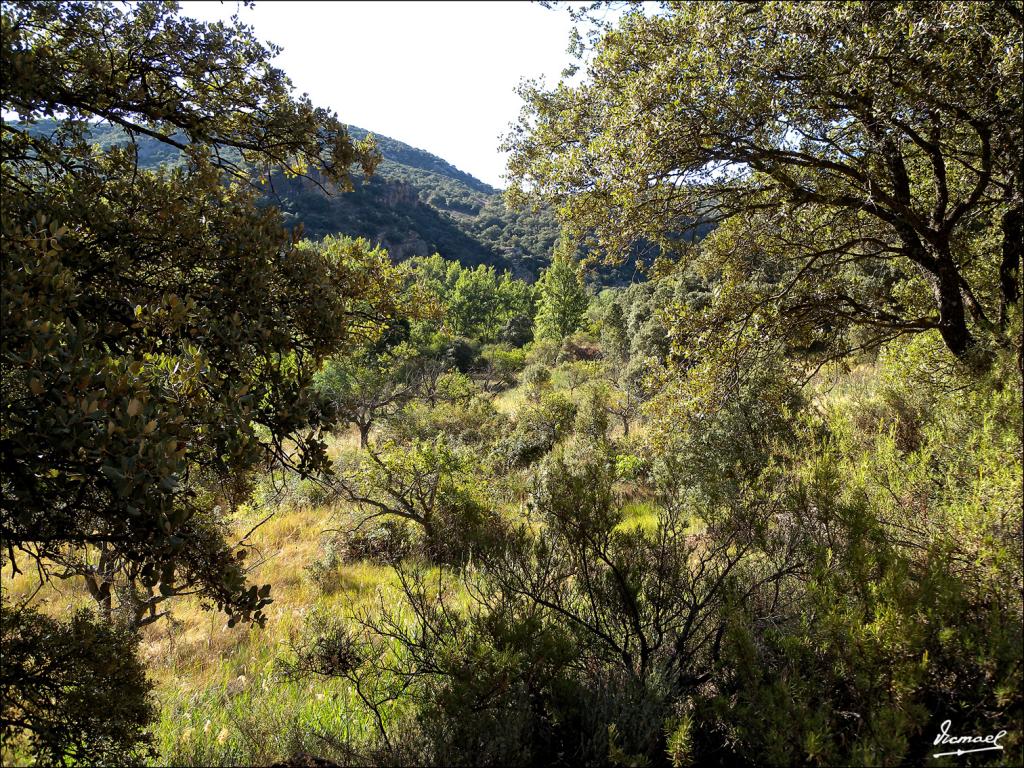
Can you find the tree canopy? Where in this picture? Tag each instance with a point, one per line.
(159, 330)
(862, 162)
(562, 299)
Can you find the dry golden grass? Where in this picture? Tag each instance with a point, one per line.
(205, 672)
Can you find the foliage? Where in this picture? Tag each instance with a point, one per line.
(482, 303)
(614, 339)
(862, 160)
(428, 483)
(537, 429)
(472, 421)
(577, 373)
(584, 622)
(476, 303)
(562, 300)
(592, 414)
(501, 365)
(535, 378)
(72, 691)
(904, 587)
(157, 325)
(691, 527)
(368, 386)
(159, 330)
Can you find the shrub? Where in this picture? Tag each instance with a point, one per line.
(535, 378)
(463, 529)
(72, 691)
(323, 571)
(592, 415)
(628, 466)
(536, 431)
(474, 422)
(462, 353)
(325, 648)
(501, 365)
(517, 331)
(384, 543)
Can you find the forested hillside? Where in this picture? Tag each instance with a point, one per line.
(416, 204)
(348, 501)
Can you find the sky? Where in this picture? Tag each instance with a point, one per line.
(440, 76)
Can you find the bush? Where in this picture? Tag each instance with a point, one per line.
(383, 543)
(325, 648)
(535, 378)
(537, 431)
(576, 348)
(463, 529)
(476, 422)
(557, 411)
(462, 353)
(542, 351)
(501, 364)
(517, 331)
(575, 374)
(628, 466)
(592, 415)
(323, 571)
(432, 486)
(72, 691)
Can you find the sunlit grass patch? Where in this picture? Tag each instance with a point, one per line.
(639, 514)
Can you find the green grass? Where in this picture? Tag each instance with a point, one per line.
(221, 693)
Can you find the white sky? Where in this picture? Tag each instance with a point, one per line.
(440, 76)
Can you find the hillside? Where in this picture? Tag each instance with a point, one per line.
(416, 204)
(271, 498)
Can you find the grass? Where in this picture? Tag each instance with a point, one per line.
(220, 691)
(222, 696)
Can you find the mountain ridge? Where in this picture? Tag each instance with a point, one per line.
(415, 204)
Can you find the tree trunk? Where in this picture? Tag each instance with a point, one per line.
(952, 318)
(99, 582)
(937, 266)
(99, 589)
(946, 281)
(364, 434)
(1009, 269)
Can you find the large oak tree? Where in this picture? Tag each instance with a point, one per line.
(862, 161)
(160, 330)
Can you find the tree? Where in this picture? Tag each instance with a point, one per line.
(366, 387)
(473, 306)
(479, 302)
(159, 330)
(428, 483)
(614, 338)
(863, 162)
(628, 388)
(158, 326)
(563, 299)
(74, 689)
